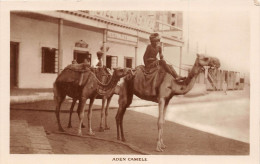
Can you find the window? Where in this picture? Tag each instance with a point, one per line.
(242, 80)
(128, 62)
(49, 60)
(111, 61)
(173, 20)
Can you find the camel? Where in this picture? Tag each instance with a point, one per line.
(167, 89)
(104, 109)
(82, 85)
(103, 75)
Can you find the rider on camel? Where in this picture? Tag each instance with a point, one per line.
(150, 59)
(100, 61)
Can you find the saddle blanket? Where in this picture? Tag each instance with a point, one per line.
(148, 80)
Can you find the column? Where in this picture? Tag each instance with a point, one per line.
(60, 50)
(180, 61)
(206, 77)
(104, 46)
(136, 49)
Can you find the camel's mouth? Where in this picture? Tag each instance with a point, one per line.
(121, 72)
(215, 63)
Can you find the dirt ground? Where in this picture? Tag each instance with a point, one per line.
(140, 132)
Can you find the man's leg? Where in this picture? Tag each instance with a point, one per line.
(170, 70)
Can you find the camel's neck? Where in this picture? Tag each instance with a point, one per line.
(111, 84)
(185, 86)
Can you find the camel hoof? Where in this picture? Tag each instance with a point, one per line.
(101, 129)
(118, 138)
(164, 146)
(159, 149)
(123, 139)
(61, 130)
(107, 128)
(79, 133)
(69, 126)
(91, 133)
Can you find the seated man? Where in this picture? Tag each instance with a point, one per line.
(151, 60)
(100, 62)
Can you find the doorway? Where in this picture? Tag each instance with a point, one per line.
(80, 56)
(128, 62)
(14, 49)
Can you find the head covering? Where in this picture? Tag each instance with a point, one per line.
(100, 54)
(154, 37)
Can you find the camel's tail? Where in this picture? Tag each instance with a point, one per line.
(55, 94)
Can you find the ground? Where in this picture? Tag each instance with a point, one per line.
(140, 132)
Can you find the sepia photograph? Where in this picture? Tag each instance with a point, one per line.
(133, 84)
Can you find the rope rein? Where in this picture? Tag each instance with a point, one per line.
(176, 66)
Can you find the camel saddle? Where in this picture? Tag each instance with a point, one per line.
(101, 72)
(149, 79)
(79, 67)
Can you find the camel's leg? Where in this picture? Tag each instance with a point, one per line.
(82, 103)
(122, 106)
(101, 128)
(160, 124)
(117, 125)
(119, 119)
(106, 113)
(90, 132)
(71, 110)
(121, 124)
(164, 113)
(58, 98)
(124, 101)
(78, 111)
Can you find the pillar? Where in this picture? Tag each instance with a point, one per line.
(60, 50)
(104, 46)
(180, 61)
(136, 50)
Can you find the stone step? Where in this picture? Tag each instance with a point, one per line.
(26, 139)
(39, 142)
(20, 142)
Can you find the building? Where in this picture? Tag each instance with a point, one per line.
(44, 42)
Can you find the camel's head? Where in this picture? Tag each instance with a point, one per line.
(121, 72)
(204, 60)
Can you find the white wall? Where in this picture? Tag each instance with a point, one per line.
(33, 34)
(71, 35)
(172, 57)
(121, 50)
(140, 52)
